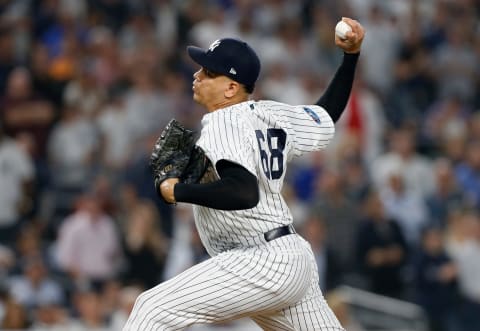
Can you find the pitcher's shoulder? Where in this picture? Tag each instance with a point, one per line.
(271, 105)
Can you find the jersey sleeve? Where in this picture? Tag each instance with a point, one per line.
(311, 128)
(225, 136)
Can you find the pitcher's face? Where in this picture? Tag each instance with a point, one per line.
(209, 88)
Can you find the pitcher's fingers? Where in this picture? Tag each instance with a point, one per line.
(357, 28)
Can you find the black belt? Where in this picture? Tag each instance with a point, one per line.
(279, 232)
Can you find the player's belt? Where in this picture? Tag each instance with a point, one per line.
(279, 232)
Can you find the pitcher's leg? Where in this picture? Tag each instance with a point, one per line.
(165, 307)
(223, 288)
(308, 315)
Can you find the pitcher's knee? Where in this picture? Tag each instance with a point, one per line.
(150, 314)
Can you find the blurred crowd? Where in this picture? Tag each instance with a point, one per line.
(392, 206)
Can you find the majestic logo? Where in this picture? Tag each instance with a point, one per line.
(233, 71)
(166, 169)
(313, 115)
(214, 45)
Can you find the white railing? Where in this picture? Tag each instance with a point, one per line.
(379, 313)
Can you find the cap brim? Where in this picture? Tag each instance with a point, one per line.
(199, 56)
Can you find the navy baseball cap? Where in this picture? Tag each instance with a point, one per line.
(231, 57)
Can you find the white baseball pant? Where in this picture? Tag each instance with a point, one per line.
(276, 285)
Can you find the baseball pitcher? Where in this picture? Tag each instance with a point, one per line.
(233, 175)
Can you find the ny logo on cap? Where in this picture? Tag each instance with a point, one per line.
(214, 45)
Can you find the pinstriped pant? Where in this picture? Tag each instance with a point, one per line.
(275, 284)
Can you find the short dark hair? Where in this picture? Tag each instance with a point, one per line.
(249, 88)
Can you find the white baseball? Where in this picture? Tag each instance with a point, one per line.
(341, 29)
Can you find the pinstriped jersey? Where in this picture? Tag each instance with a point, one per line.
(261, 136)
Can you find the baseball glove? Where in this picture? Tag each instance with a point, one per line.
(171, 152)
(176, 156)
(196, 167)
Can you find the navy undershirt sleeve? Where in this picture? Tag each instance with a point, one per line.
(236, 189)
(335, 98)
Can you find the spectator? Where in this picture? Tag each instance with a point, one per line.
(16, 175)
(72, 146)
(382, 250)
(147, 108)
(298, 51)
(29, 247)
(71, 149)
(113, 129)
(329, 272)
(110, 293)
(83, 92)
(456, 61)
(340, 214)
(446, 118)
(90, 311)
(283, 86)
(50, 317)
(166, 27)
(453, 147)
(144, 246)
(381, 44)
(322, 23)
(114, 13)
(24, 111)
(186, 249)
(35, 287)
(138, 180)
(106, 67)
(27, 116)
(465, 249)
(137, 31)
(214, 26)
(447, 195)
(270, 14)
(88, 246)
(42, 81)
(414, 87)
(435, 281)
(350, 161)
(127, 199)
(406, 207)
(415, 169)
(436, 31)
